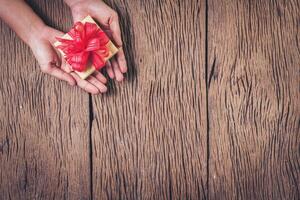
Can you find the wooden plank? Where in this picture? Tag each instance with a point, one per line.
(44, 124)
(254, 59)
(149, 133)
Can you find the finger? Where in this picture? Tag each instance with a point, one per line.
(118, 73)
(121, 60)
(85, 85)
(52, 34)
(60, 74)
(109, 70)
(115, 28)
(78, 16)
(109, 19)
(98, 75)
(101, 87)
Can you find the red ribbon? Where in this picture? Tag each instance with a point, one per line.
(88, 43)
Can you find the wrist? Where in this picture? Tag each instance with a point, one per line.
(72, 3)
(36, 34)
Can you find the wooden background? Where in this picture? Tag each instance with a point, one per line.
(209, 109)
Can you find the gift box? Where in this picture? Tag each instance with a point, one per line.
(86, 47)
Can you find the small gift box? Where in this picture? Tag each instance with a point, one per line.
(86, 47)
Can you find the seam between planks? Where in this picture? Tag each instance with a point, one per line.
(207, 102)
(91, 118)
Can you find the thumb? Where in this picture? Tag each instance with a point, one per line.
(52, 34)
(116, 32)
(65, 66)
(60, 69)
(77, 16)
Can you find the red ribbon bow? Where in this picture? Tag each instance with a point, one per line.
(88, 42)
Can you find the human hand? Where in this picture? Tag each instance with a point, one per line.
(51, 63)
(108, 20)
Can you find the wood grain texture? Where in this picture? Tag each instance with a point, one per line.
(149, 134)
(207, 111)
(44, 124)
(254, 59)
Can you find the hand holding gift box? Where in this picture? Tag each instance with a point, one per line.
(81, 48)
(86, 47)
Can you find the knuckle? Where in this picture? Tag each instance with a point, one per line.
(115, 15)
(84, 86)
(120, 44)
(93, 81)
(122, 59)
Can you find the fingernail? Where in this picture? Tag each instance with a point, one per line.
(104, 90)
(124, 69)
(96, 91)
(120, 79)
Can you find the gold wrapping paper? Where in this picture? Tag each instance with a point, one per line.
(90, 68)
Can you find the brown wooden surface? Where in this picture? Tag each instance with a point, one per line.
(253, 92)
(149, 136)
(209, 108)
(44, 129)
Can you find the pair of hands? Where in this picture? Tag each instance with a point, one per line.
(51, 62)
